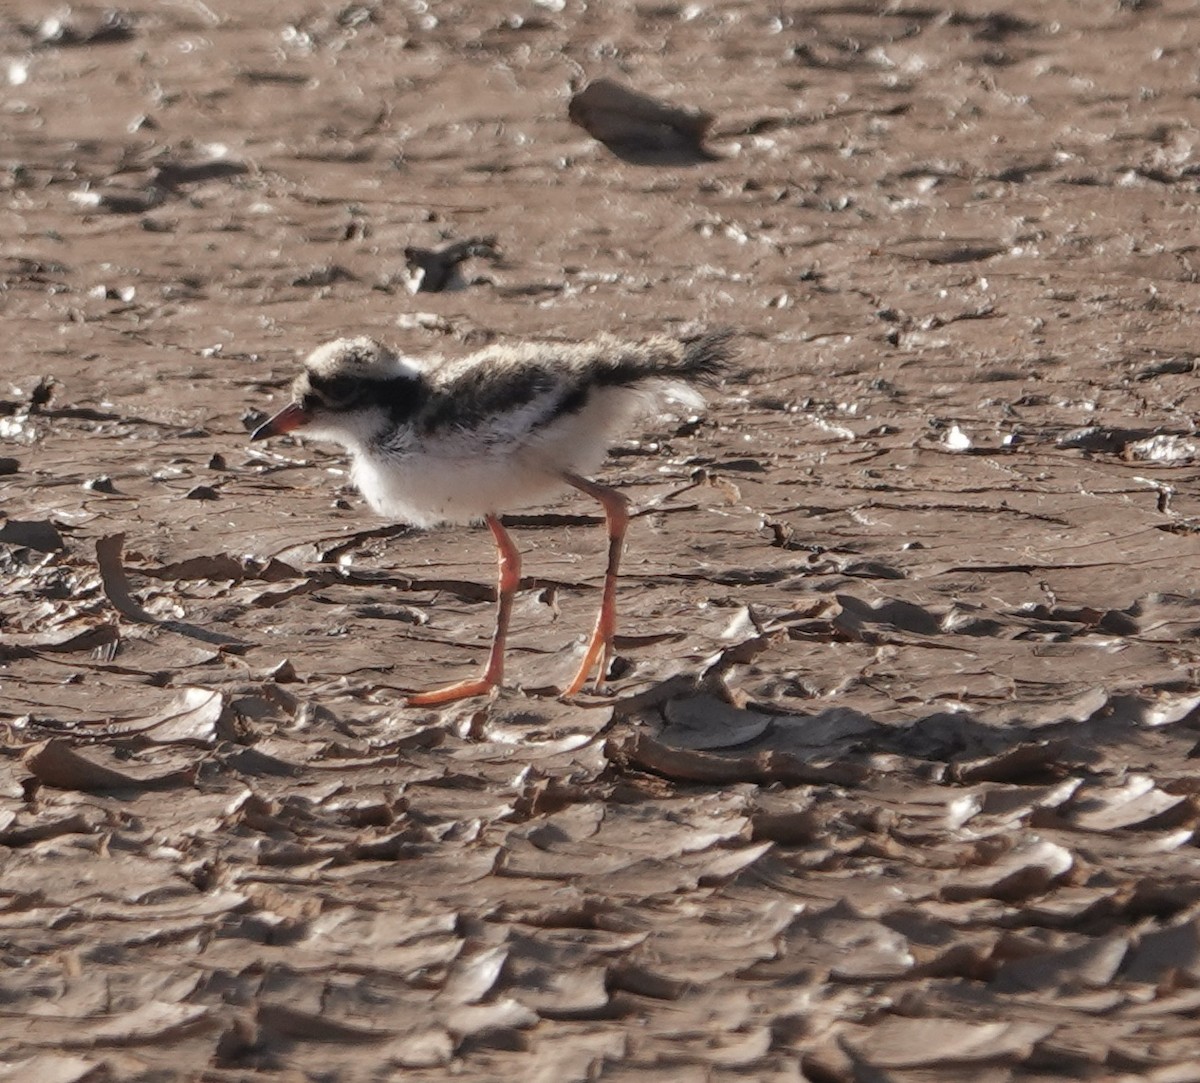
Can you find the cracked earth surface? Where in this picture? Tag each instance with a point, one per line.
(895, 781)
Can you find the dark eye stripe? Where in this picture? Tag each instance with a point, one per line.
(334, 389)
(399, 396)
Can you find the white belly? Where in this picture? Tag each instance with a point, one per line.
(425, 490)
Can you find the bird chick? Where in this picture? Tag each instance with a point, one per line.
(503, 428)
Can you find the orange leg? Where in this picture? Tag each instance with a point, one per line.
(600, 647)
(509, 578)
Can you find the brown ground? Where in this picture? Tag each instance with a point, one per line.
(895, 782)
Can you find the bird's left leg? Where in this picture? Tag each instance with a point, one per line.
(508, 558)
(616, 514)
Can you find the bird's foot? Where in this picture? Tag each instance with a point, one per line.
(596, 658)
(481, 686)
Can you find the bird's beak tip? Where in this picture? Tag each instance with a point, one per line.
(292, 416)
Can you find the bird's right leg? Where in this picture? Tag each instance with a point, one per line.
(508, 579)
(616, 517)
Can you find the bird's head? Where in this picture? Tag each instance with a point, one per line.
(340, 394)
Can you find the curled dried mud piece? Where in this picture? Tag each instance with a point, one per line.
(764, 768)
(55, 763)
(634, 125)
(431, 270)
(116, 583)
(116, 589)
(39, 534)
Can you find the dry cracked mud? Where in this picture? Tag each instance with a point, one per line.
(895, 780)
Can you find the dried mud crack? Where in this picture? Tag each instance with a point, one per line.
(895, 779)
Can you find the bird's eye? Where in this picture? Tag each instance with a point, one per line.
(333, 390)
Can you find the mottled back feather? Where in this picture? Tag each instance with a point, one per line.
(504, 378)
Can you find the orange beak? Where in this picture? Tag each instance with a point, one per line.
(292, 416)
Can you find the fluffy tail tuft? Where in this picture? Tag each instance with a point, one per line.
(708, 357)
